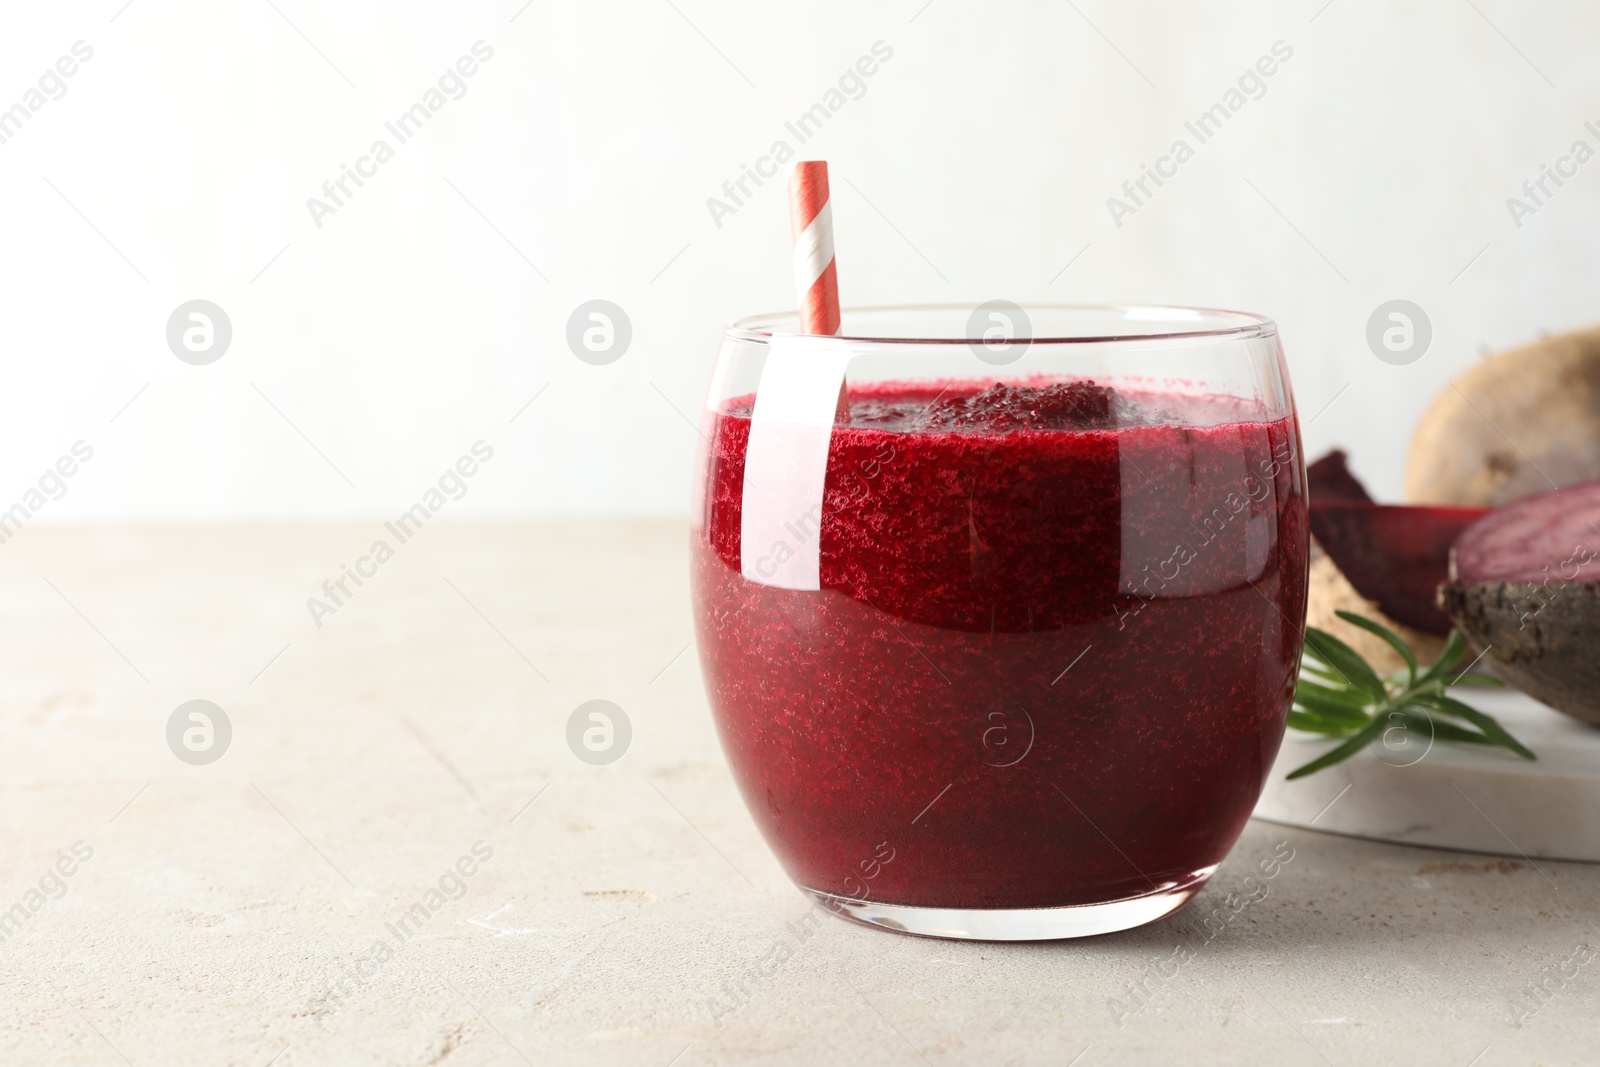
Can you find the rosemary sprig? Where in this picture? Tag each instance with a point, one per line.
(1340, 695)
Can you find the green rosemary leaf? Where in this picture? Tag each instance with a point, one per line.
(1487, 723)
(1338, 694)
(1353, 716)
(1310, 668)
(1477, 679)
(1316, 724)
(1440, 730)
(1356, 743)
(1454, 648)
(1394, 640)
(1346, 661)
(1347, 697)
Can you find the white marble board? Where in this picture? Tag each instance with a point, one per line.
(1447, 795)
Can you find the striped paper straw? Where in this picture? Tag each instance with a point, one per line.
(816, 276)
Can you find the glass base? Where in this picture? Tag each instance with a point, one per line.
(1018, 924)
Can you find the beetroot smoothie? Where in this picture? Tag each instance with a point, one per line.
(1053, 650)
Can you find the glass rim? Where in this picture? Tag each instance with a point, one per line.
(1245, 324)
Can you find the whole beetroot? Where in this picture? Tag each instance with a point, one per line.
(1512, 425)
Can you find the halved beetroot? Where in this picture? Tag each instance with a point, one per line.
(1526, 588)
(1395, 556)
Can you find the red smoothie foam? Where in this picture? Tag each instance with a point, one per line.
(1066, 617)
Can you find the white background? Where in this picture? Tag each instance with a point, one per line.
(1376, 166)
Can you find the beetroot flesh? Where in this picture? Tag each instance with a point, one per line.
(1550, 536)
(1395, 556)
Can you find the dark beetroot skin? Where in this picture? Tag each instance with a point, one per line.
(1330, 482)
(913, 734)
(1542, 637)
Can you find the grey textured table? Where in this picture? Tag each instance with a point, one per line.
(313, 897)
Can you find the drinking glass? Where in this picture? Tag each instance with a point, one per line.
(1000, 609)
